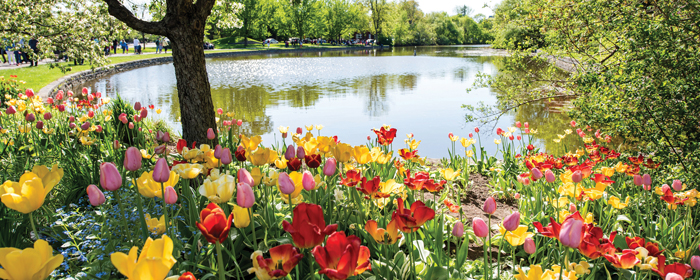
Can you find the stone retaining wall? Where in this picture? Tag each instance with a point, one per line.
(69, 82)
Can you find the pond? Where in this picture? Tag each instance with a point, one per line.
(348, 92)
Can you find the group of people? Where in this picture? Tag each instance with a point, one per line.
(20, 52)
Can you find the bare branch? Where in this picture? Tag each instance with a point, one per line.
(117, 10)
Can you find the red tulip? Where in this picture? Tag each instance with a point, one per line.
(308, 228)
(181, 144)
(170, 195)
(61, 108)
(220, 111)
(95, 195)
(187, 276)
(313, 161)
(214, 224)
(476, 129)
(239, 122)
(240, 154)
(594, 245)
(30, 117)
(490, 205)
(681, 269)
(572, 229)
(131, 125)
(132, 159)
(409, 220)
(110, 179)
(161, 172)
(29, 92)
(351, 179)
(299, 130)
(283, 259)
(512, 221)
(636, 242)
(342, 256)
(294, 164)
(626, 260)
(59, 95)
(480, 228)
(371, 188)
(551, 231)
(529, 246)
(385, 137)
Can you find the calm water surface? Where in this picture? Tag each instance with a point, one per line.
(348, 92)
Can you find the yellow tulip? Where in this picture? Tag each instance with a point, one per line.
(581, 268)
(617, 204)
(263, 156)
(191, 155)
(28, 194)
(413, 144)
(516, 237)
(154, 263)
(49, 177)
(187, 170)
(210, 161)
(281, 163)
(155, 225)
(271, 178)
(568, 131)
(450, 174)
(256, 174)
(385, 158)
(310, 127)
(319, 126)
(220, 190)
(310, 146)
(536, 273)
(215, 174)
(325, 144)
(608, 171)
(469, 153)
(375, 153)
(149, 188)
(159, 111)
(250, 144)
(241, 217)
(497, 141)
(342, 152)
(30, 263)
(283, 129)
(362, 154)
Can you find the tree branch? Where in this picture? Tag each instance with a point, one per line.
(204, 8)
(117, 10)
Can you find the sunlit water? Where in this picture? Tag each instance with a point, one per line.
(348, 92)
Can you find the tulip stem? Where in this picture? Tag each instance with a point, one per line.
(486, 262)
(144, 228)
(31, 221)
(121, 209)
(500, 247)
(220, 259)
(252, 226)
(410, 253)
(165, 210)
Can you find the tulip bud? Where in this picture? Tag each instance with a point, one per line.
(307, 181)
(458, 230)
(572, 208)
(301, 153)
(144, 113)
(286, 184)
(110, 179)
(239, 122)
(245, 196)
(471, 135)
(673, 276)
(170, 195)
(571, 233)
(369, 138)
(61, 108)
(226, 156)
(85, 91)
(220, 111)
(161, 172)
(284, 135)
(132, 159)
(476, 129)
(245, 177)
(29, 92)
(47, 116)
(85, 126)
(695, 262)
(91, 114)
(131, 125)
(39, 125)
(289, 154)
(98, 128)
(577, 176)
(95, 195)
(530, 246)
(480, 228)
(490, 205)
(299, 130)
(330, 167)
(30, 117)
(10, 110)
(160, 150)
(637, 180)
(163, 136)
(59, 95)
(217, 151)
(517, 124)
(71, 125)
(517, 196)
(210, 134)
(677, 185)
(646, 180)
(549, 176)
(536, 173)
(512, 221)
(137, 106)
(137, 118)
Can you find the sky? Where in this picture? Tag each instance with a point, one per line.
(448, 6)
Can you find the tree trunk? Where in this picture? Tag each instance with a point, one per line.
(193, 89)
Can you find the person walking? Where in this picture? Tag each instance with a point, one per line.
(34, 61)
(166, 44)
(137, 47)
(159, 47)
(114, 45)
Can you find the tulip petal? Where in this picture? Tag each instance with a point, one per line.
(22, 264)
(49, 267)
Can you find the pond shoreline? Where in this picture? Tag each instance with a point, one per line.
(68, 82)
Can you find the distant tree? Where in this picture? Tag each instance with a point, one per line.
(463, 10)
(302, 12)
(378, 10)
(248, 16)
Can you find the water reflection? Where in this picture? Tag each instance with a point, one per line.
(349, 92)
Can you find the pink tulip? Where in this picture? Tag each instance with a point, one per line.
(490, 205)
(518, 125)
(132, 159)
(95, 195)
(638, 180)
(245, 196)
(665, 188)
(549, 176)
(137, 118)
(131, 125)
(289, 154)
(98, 128)
(239, 122)
(573, 123)
(512, 221)
(527, 125)
(677, 185)
(110, 179)
(85, 126)
(480, 228)
(330, 167)
(286, 184)
(646, 180)
(85, 91)
(122, 117)
(301, 153)
(536, 173)
(220, 111)
(137, 106)
(226, 156)
(572, 208)
(695, 262)
(245, 177)
(530, 246)
(577, 176)
(47, 116)
(71, 125)
(59, 95)
(29, 92)
(170, 195)
(673, 276)
(458, 230)
(161, 172)
(160, 150)
(571, 232)
(307, 181)
(70, 93)
(49, 100)
(210, 134)
(471, 135)
(517, 196)
(144, 113)
(217, 151)
(30, 117)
